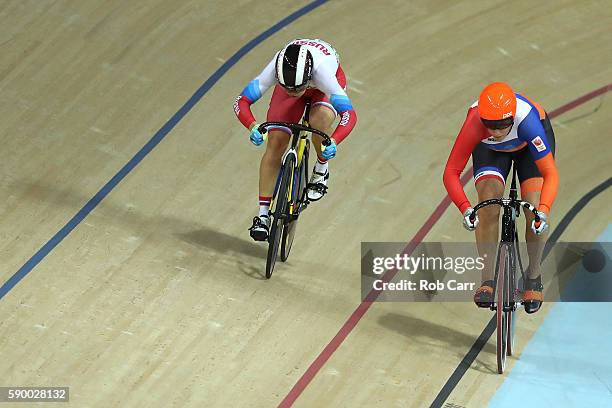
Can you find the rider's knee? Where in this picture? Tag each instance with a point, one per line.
(321, 117)
(277, 143)
(489, 215)
(489, 188)
(528, 216)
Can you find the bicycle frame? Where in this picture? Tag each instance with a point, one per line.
(505, 287)
(509, 234)
(300, 154)
(298, 151)
(294, 166)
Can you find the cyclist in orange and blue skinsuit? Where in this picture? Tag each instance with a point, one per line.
(502, 127)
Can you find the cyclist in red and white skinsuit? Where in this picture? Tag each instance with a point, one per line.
(304, 70)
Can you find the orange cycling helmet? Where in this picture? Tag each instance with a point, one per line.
(497, 102)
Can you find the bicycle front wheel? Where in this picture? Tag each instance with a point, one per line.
(299, 191)
(279, 215)
(502, 287)
(512, 301)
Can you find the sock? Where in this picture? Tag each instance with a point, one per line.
(320, 166)
(264, 205)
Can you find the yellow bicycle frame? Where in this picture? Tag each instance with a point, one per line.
(301, 148)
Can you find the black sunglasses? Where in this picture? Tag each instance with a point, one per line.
(295, 88)
(498, 124)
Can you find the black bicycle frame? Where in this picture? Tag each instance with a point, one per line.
(509, 234)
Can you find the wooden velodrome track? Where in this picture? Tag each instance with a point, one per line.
(155, 297)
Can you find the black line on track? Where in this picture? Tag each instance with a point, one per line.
(489, 329)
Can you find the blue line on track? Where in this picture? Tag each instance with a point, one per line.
(150, 145)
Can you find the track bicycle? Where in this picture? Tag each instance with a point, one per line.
(290, 193)
(507, 294)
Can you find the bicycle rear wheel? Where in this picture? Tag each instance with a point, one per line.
(279, 215)
(501, 294)
(299, 190)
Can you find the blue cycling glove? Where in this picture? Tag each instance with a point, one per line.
(256, 137)
(328, 152)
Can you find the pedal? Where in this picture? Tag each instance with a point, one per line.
(319, 188)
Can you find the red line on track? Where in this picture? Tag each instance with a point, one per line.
(363, 307)
(577, 102)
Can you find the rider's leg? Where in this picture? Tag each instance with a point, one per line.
(530, 191)
(322, 116)
(283, 108)
(487, 232)
(490, 170)
(276, 145)
(268, 172)
(533, 288)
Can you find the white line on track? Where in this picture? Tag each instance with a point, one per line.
(504, 52)
(97, 130)
(381, 200)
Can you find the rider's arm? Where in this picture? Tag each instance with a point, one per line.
(466, 142)
(348, 117)
(252, 92)
(548, 169)
(326, 81)
(532, 131)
